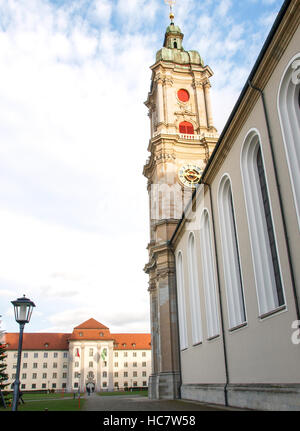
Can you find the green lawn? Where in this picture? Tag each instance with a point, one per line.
(66, 404)
(53, 402)
(109, 394)
(41, 396)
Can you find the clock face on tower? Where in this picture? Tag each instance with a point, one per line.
(189, 175)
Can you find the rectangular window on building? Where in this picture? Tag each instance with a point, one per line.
(34, 375)
(45, 354)
(125, 354)
(104, 374)
(134, 374)
(104, 384)
(55, 355)
(144, 373)
(144, 364)
(43, 385)
(144, 383)
(44, 375)
(53, 385)
(23, 386)
(24, 376)
(91, 364)
(45, 365)
(116, 354)
(116, 374)
(35, 365)
(33, 386)
(65, 365)
(54, 376)
(135, 384)
(64, 375)
(116, 364)
(65, 354)
(125, 374)
(134, 364)
(75, 385)
(25, 355)
(15, 366)
(15, 355)
(143, 353)
(35, 355)
(116, 384)
(125, 364)
(134, 354)
(125, 384)
(64, 385)
(24, 365)
(54, 364)
(76, 364)
(91, 352)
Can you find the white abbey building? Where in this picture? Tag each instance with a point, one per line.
(90, 354)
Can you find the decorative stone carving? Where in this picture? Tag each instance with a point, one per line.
(296, 72)
(197, 84)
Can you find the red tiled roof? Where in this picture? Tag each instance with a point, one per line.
(91, 334)
(38, 341)
(91, 324)
(89, 330)
(132, 341)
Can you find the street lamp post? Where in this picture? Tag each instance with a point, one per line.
(23, 309)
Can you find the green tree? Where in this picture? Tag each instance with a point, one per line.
(3, 365)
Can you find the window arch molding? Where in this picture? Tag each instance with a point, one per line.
(288, 105)
(259, 225)
(232, 268)
(197, 333)
(209, 276)
(181, 301)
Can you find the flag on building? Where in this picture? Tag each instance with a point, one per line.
(103, 354)
(77, 353)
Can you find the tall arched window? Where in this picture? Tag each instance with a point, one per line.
(209, 282)
(231, 258)
(262, 235)
(194, 292)
(181, 303)
(289, 114)
(186, 128)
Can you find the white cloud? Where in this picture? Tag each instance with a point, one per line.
(74, 133)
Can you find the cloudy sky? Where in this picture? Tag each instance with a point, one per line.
(73, 141)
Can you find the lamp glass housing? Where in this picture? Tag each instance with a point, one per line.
(23, 309)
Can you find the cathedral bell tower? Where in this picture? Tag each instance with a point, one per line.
(182, 139)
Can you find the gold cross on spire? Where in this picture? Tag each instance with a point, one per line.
(171, 4)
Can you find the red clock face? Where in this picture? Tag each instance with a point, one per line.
(183, 95)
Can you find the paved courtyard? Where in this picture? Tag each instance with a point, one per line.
(129, 402)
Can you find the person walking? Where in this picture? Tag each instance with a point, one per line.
(21, 397)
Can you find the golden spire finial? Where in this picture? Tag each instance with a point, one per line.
(171, 4)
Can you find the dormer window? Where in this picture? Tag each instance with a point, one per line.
(80, 334)
(101, 334)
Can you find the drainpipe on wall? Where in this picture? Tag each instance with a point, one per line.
(220, 296)
(296, 299)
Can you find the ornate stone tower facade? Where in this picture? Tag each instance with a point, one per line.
(182, 139)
